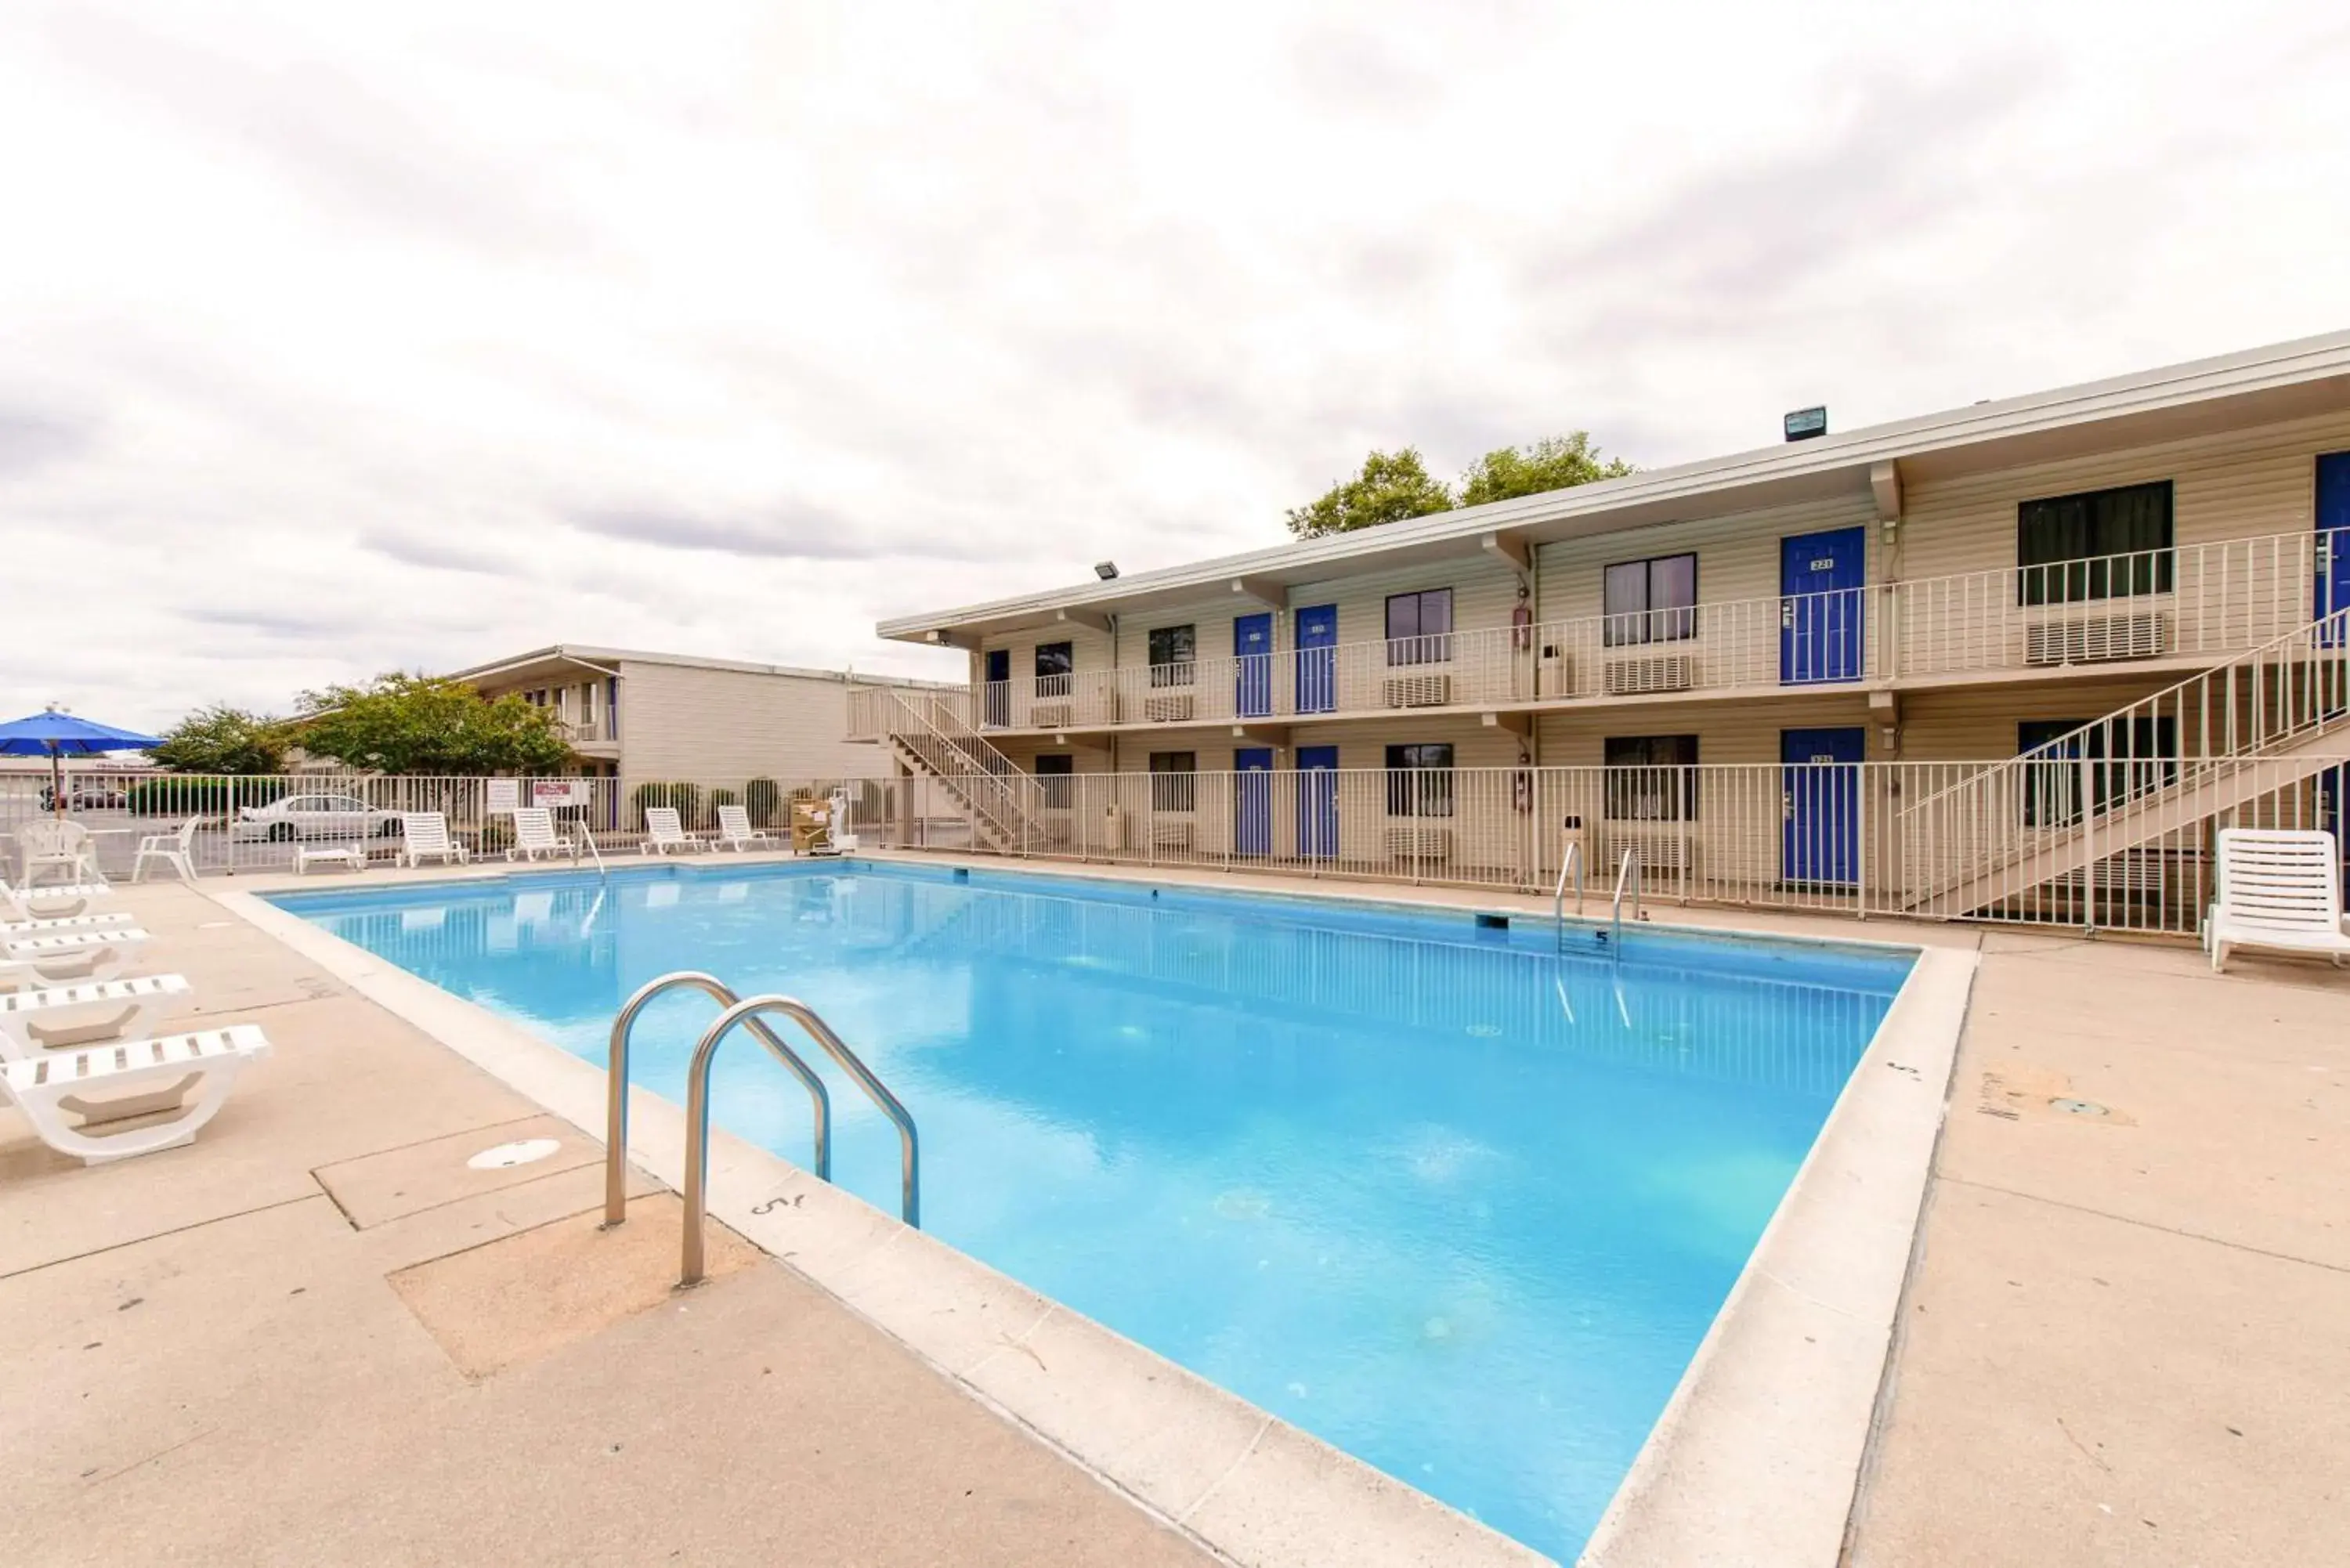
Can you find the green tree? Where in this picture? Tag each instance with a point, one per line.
(222, 739)
(1552, 464)
(1392, 487)
(400, 723)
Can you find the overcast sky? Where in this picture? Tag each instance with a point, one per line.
(337, 338)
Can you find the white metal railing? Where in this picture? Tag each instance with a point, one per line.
(2186, 601)
(2180, 602)
(1002, 799)
(2178, 758)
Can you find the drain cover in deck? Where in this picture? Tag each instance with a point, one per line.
(506, 1156)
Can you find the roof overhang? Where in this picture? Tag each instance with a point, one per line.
(2254, 387)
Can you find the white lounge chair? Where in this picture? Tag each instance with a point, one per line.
(47, 1087)
(56, 946)
(52, 901)
(66, 1016)
(350, 852)
(664, 833)
(96, 958)
(736, 831)
(54, 844)
(2279, 890)
(533, 828)
(426, 834)
(175, 849)
(57, 925)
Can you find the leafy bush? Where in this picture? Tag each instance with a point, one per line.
(685, 797)
(198, 794)
(760, 797)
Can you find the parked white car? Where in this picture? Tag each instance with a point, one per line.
(312, 816)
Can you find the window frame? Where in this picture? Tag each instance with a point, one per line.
(1168, 669)
(2149, 763)
(1650, 622)
(1419, 646)
(1054, 682)
(1175, 788)
(2097, 573)
(1420, 782)
(1648, 790)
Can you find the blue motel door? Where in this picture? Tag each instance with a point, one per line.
(2332, 594)
(1317, 661)
(1253, 808)
(1318, 803)
(1823, 587)
(1253, 662)
(1820, 805)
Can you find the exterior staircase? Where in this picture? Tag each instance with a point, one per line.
(933, 741)
(2238, 740)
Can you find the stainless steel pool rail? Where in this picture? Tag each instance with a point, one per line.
(1629, 872)
(1570, 861)
(615, 1082)
(697, 1115)
(582, 837)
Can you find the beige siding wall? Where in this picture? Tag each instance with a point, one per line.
(719, 725)
(1091, 650)
(1726, 732)
(2231, 486)
(1737, 556)
(1967, 723)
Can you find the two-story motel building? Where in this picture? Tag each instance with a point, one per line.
(1928, 597)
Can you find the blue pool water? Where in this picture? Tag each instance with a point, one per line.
(1457, 1203)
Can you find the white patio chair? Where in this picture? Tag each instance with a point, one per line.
(53, 901)
(2279, 890)
(66, 1016)
(56, 925)
(664, 833)
(46, 1088)
(52, 843)
(425, 834)
(843, 841)
(175, 849)
(736, 831)
(535, 835)
(350, 852)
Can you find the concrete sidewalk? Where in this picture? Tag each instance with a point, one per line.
(318, 1335)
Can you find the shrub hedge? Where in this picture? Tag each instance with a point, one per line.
(199, 794)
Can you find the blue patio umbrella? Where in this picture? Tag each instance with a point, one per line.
(57, 734)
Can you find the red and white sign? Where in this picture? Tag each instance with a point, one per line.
(561, 792)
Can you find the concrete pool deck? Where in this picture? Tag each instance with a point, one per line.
(448, 1329)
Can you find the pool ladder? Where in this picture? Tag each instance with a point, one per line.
(750, 1013)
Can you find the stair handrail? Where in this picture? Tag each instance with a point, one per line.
(2329, 638)
(1018, 798)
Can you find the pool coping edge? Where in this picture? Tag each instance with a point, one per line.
(1754, 1459)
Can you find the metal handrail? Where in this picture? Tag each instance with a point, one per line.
(1570, 860)
(1629, 872)
(697, 1117)
(583, 837)
(615, 1080)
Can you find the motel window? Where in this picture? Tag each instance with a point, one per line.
(1419, 627)
(1173, 649)
(1651, 778)
(1054, 662)
(1650, 601)
(1057, 776)
(2126, 759)
(2098, 544)
(1420, 780)
(1173, 785)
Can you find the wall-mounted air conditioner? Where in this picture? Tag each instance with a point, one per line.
(1417, 843)
(1657, 672)
(1418, 690)
(2096, 638)
(1172, 709)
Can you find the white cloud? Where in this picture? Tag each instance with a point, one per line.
(336, 338)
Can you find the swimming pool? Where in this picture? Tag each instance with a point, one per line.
(1455, 1203)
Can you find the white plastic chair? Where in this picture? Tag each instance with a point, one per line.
(350, 852)
(663, 832)
(63, 1017)
(65, 958)
(53, 924)
(535, 835)
(175, 849)
(51, 844)
(736, 831)
(52, 901)
(45, 1088)
(2279, 890)
(426, 834)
